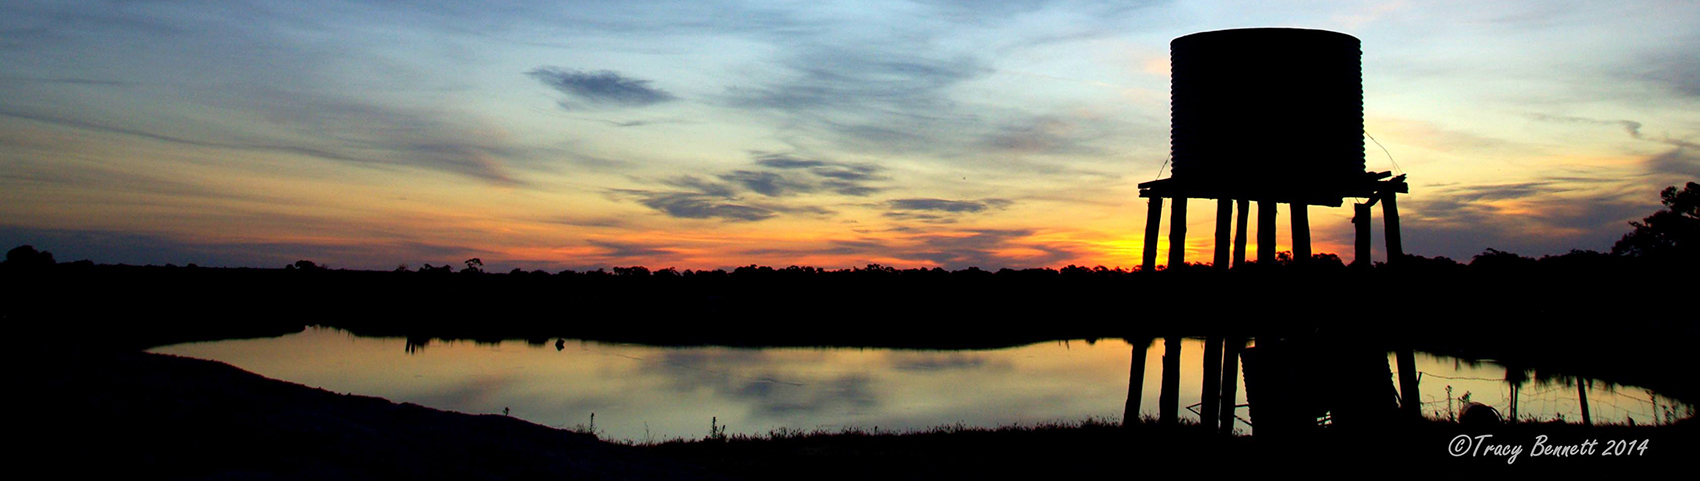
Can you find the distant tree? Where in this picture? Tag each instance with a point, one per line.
(1326, 261)
(1670, 233)
(1498, 259)
(1430, 264)
(1317, 261)
(474, 266)
(871, 268)
(306, 265)
(1578, 259)
(27, 256)
(753, 270)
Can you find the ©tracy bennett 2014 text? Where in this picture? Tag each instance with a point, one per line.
(1482, 445)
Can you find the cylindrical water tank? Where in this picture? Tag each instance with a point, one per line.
(1267, 113)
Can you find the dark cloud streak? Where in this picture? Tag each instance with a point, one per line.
(605, 88)
(767, 183)
(786, 177)
(1629, 126)
(953, 206)
(46, 119)
(696, 205)
(1679, 162)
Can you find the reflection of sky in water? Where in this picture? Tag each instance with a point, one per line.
(673, 392)
(1538, 400)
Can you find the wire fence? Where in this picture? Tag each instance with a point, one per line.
(1556, 401)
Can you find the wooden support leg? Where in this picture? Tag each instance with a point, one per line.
(1169, 399)
(1515, 390)
(1209, 397)
(1230, 382)
(1390, 217)
(1582, 395)
(1153, 221)
(1240, 231)
(1135, 382)
(1301, 234)
(1409, 399)
(1177, 233)
(1265, 231)
(1361, 244)
(1224, 221)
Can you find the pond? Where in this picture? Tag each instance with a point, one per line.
(650, 393)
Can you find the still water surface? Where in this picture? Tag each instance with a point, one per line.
(644, 393)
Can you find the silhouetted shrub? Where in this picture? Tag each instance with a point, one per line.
(27, 257)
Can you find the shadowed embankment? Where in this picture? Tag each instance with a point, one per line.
(151, 415)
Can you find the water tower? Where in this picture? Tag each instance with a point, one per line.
(1272, 115)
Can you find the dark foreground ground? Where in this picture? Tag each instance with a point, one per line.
(150, 416)
(92, 404)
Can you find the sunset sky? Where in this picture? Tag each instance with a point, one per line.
(710, 134)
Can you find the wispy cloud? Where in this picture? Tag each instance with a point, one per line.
(627, 250)
(943, 205)
(108, 246)
(1632, 127)
(948, 248)
(776, 176)
(986, 248)
(324, 126)
(696, 198)
(770, 184)
(1473, 193)
(1550, 215)
(939, 211)
(601, 88)
(381, 135)
(1044, 134)
(865, 97)
(698, 205)
(70, 81)
(1678, 70)
(1680, 162)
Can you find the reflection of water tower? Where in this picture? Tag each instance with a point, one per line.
(1273, 115)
